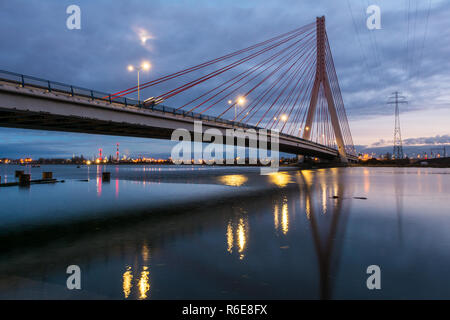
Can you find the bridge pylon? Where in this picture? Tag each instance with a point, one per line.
(321, 78)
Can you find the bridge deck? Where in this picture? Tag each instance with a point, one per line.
(33, 103)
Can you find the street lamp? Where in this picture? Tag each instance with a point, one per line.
(283, 118)
(239, 101)
(144, 66)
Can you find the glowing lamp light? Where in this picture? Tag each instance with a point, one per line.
(284, 117)
(241, 100)
(130, 68)
(146, 66)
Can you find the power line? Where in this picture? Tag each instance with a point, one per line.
(414, 38)
(375, 45)
(419, 66)
(360, 43)
(407, 39)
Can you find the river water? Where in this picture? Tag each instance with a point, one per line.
(168, 232)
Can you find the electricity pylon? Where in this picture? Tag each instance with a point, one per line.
(398, 146)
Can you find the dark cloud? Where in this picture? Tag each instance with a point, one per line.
(444, 139)
(370, 64)
(438, 139)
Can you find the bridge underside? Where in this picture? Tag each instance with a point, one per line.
(36, 109)
(41, 121)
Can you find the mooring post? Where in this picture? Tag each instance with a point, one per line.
(18, 173)
(106, 176)
(25, 179)
(47, 175)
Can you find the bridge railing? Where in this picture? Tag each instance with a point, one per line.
(54, 86)
(62, 88)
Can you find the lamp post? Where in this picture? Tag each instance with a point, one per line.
(283, 118)
(144, 66)
(239, 101)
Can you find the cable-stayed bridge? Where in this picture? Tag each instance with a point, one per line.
(287, 83)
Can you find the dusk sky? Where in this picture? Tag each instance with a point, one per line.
(412, 58)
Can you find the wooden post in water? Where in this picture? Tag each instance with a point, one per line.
(47, 175)
(106, 176)
(18, 173)
(24, 180)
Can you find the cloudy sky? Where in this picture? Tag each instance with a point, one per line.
(409, 54)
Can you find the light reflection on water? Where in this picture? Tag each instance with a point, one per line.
(281, 213)
(281, 179)
(144, 283)
(237, 234)
(306, 236)
(127, 282)
(234, 180)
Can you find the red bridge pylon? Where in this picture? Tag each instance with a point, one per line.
(322, 79)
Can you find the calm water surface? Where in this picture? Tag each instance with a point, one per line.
(167, 232)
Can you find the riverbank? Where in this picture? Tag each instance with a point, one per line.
(430, 163)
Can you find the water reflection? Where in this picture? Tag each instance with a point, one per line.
(366, 174)
(327, 235)
(145, 252)
(230, 237)
(142, 279)
(292, 252)
(398, 187)
(308, 207)
(144, 283)
(281, 179)
(99, 186)
(282, 215)
(324, 198)
(285, 218)
(237, 235)
(242, 237)
(99, 181)
(276, 217)
(127, 282)
(234, 180)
